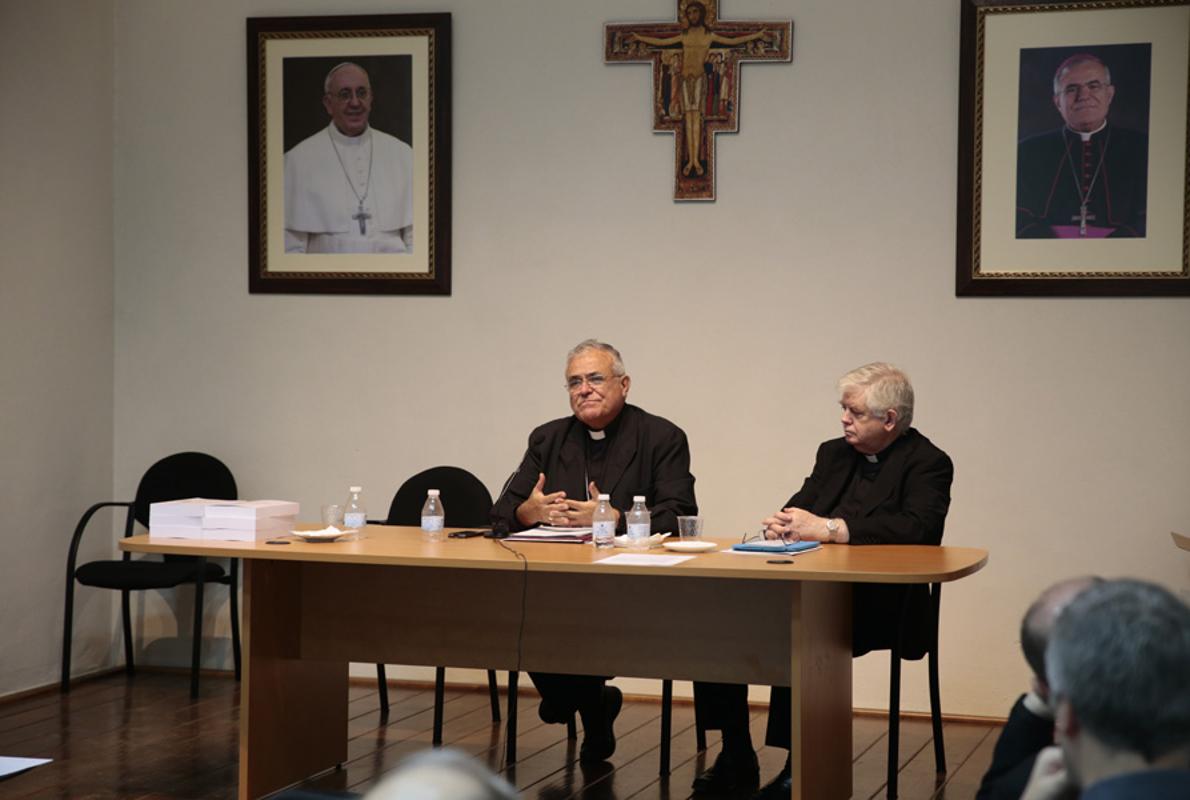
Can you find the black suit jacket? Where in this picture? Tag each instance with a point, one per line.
(646, 455)
(1024, 736)
(906, 504)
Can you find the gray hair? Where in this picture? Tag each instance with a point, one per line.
(1074, 61)
(442, 775)
(603, 347)
(1119, 654)
(326, 83)
(885, 387)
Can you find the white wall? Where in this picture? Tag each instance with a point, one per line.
(831, 244)
(56, 327)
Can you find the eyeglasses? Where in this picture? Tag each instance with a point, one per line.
(345, 95)
(594, 380)
(761, 536)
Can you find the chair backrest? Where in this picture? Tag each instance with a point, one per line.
(183, 475)
(467, 501)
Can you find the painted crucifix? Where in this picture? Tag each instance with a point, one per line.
(696, 87)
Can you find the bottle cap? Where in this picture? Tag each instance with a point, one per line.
(638, 498)
(605, 497)
(355, 488)
(432, 493)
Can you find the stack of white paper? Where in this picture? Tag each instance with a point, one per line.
(177, 519)
(229, 520)
(248, 520)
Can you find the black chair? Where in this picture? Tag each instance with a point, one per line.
(468, 504)
(174, 477)
(896, 653)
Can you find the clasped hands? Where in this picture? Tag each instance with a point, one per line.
(794, 524)
(557, 509)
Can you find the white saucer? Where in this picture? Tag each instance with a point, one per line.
(690, 546)
(320, 536)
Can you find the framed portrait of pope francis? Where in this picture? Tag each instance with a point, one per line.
(1074, 175)
(349, 154)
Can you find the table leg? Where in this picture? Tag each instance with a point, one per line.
(821, 691)
(290, 708)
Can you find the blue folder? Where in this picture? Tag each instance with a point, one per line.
(775, 546)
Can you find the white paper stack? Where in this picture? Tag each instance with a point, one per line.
(177, 519)
(228, 520)
(248, 520)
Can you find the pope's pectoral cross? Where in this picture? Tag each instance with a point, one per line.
(696, 87)
(362, 217)
(1081, 218)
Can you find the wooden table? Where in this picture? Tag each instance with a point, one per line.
(1181, 540)
(309, 609)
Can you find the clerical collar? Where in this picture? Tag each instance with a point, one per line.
(349, 141)
(1086, 136)
(596, 435)
(872, 458)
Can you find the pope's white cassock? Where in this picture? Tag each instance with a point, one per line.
(349, 194)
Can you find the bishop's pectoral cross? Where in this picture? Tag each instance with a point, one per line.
(696, 87)
(1081, 218)
(362, 217)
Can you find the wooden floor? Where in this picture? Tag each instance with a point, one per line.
(111, 738)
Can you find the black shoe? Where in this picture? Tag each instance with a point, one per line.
(779, 788)
(730, 773)
(551, 715)
(599, 740)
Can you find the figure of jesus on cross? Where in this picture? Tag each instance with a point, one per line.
(708, 90)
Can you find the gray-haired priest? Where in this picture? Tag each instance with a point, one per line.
(606, 446)
(882, 482)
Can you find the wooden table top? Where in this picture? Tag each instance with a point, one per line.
(1181, 540)
(403, 546)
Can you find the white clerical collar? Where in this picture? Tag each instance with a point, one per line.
(597, 435)
(1086, 136)
(872, 458)
(344, 140)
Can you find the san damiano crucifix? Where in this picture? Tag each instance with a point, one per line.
(696, 88)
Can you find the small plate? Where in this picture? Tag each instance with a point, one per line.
(319, 536)
(690, 546)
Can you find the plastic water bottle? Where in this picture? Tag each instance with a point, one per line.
(354, 514)
(639, 524)
(433, 518)
(603, 524)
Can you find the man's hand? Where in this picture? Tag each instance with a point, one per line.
(578, 512)
(1049, 779)
(543, 509)
(792, 524)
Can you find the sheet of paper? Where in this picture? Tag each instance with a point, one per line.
(11, 766)
(642, 560)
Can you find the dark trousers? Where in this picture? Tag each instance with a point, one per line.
(563, 695)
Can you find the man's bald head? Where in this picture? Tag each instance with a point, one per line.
(1039, 619)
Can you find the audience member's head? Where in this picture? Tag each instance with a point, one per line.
(442, 775)
(1039, 621)
(1118, 664)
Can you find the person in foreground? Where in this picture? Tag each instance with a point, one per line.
(442, 775)
(1118, 664)
(349, 187)
(606, 446)
(882, 482)
(1030, 725)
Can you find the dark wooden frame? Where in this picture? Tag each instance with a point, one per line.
(359, 275)
(970, 279)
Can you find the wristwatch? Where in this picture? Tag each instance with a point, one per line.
(832, 527)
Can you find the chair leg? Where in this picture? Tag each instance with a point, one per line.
(126, 613)
(196, 656)
(667, 707)
(67, 630)
(494, 695)
(382, 689)
(439, 701)
(234, 588)
(572, 728)
(700, 728)
(894, 721)
(510, 733)
(935, 693)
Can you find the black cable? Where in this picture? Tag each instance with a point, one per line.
(520, 637)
